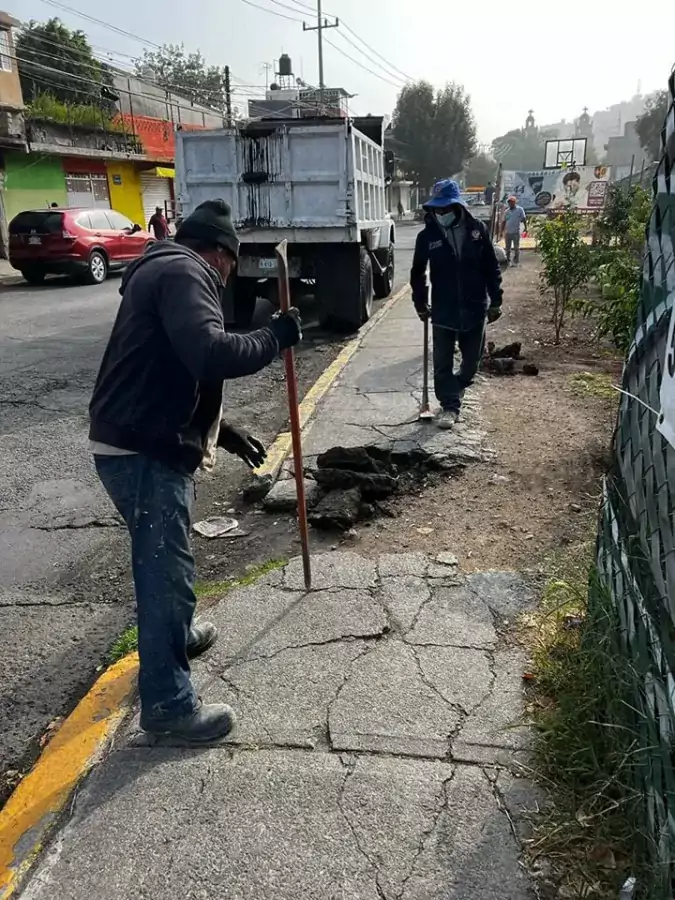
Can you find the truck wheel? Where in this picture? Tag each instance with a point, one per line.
(365, 285)
(337, 287)
(238, 301)
(384, 282)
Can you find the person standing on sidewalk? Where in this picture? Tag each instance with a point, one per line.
(514, 217)
(158, 225)
(464, 272)
(157, 395)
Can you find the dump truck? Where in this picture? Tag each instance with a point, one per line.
(318, 183)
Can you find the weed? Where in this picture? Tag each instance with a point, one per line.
(207, 590)
(594, 384)
(125, 644)
(587, 745)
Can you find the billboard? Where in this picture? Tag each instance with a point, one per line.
(583, 187)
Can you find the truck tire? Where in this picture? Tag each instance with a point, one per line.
(365, 285)
(384, 281)
(344, 287)
(239, 300)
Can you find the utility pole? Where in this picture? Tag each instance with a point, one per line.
(267, 67)
(321, 24)
(228, 98)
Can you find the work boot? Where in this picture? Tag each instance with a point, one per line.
(447, 419)
(208, 723)
(202, 637)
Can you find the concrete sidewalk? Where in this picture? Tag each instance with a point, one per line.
(379, 745)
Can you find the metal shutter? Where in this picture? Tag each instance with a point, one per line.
(155, 192)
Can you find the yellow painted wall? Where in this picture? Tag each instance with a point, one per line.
(126, 197)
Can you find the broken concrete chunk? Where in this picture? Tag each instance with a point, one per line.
(284, 496)
(339, 510)
(354, 459)
(373, 486)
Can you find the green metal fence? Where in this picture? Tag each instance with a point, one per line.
(636, 546)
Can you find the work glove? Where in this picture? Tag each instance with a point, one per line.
(240, 443)
(493, 313)
(423, 310)
(287, 328)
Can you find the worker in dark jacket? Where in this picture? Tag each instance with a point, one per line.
(464, 273)
(157, 395)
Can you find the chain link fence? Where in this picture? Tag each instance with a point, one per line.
(636, 545)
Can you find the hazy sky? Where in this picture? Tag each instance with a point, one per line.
(510, 57)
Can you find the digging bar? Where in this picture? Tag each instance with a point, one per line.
(294, 414)
(425, 413)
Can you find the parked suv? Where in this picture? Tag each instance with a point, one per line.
(86, 242)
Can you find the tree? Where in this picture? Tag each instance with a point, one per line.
(186, 74)
(479, 170)
(54, 60)
(566, 262)
(649, 125)
(434, 131)
(521, 149)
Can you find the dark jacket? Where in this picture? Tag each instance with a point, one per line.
(460, 285)
(160, 384)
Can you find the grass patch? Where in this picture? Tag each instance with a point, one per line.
(208, 590)
(125, 644)
(593, 384)
(587, 746)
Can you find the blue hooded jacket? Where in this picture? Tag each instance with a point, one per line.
(460, 286)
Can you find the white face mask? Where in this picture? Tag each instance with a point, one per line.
(447, 220)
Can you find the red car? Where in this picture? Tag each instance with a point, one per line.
(85, 242)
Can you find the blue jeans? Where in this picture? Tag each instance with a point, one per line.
(155, 502)
(449, 386)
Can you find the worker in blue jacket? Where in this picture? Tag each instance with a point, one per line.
(466, 287)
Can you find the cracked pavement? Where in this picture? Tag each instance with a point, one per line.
(65, 586)
(379, 753)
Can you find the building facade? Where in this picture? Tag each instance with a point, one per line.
(122, 159)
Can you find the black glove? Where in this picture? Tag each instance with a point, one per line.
(287, 328)
(493, 313)
(423, 311)
(241, 444)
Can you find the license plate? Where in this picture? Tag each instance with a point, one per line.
(270, 264)
(34, 240)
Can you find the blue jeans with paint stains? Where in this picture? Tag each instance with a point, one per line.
(155, 502)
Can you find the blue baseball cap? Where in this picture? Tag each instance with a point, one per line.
(445, 192)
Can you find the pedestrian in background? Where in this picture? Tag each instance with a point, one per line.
(514, 217)
(400, 211)
(158, 224)
(158, 393)
(489, 193)
(464, 273)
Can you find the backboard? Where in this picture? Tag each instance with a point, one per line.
(563, 154)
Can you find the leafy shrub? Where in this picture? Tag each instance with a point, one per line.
(566, 262)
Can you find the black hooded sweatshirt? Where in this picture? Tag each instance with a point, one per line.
(160, 384)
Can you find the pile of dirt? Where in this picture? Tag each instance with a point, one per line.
(507, 360)
(352, 484)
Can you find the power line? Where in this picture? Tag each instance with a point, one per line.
(83, 15)
(389, 64)
(266, 9)
(389, 72)
(356, 62)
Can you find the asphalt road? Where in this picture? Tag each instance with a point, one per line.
(65, 588)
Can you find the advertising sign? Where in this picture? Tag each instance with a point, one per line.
(582, 187)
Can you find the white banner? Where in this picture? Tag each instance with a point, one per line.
(583, 188)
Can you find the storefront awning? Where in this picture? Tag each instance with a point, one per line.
(163, 172)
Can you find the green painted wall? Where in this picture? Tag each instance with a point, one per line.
(33, 181)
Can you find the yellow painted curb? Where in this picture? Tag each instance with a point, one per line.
(281, 447)
(36, 803)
